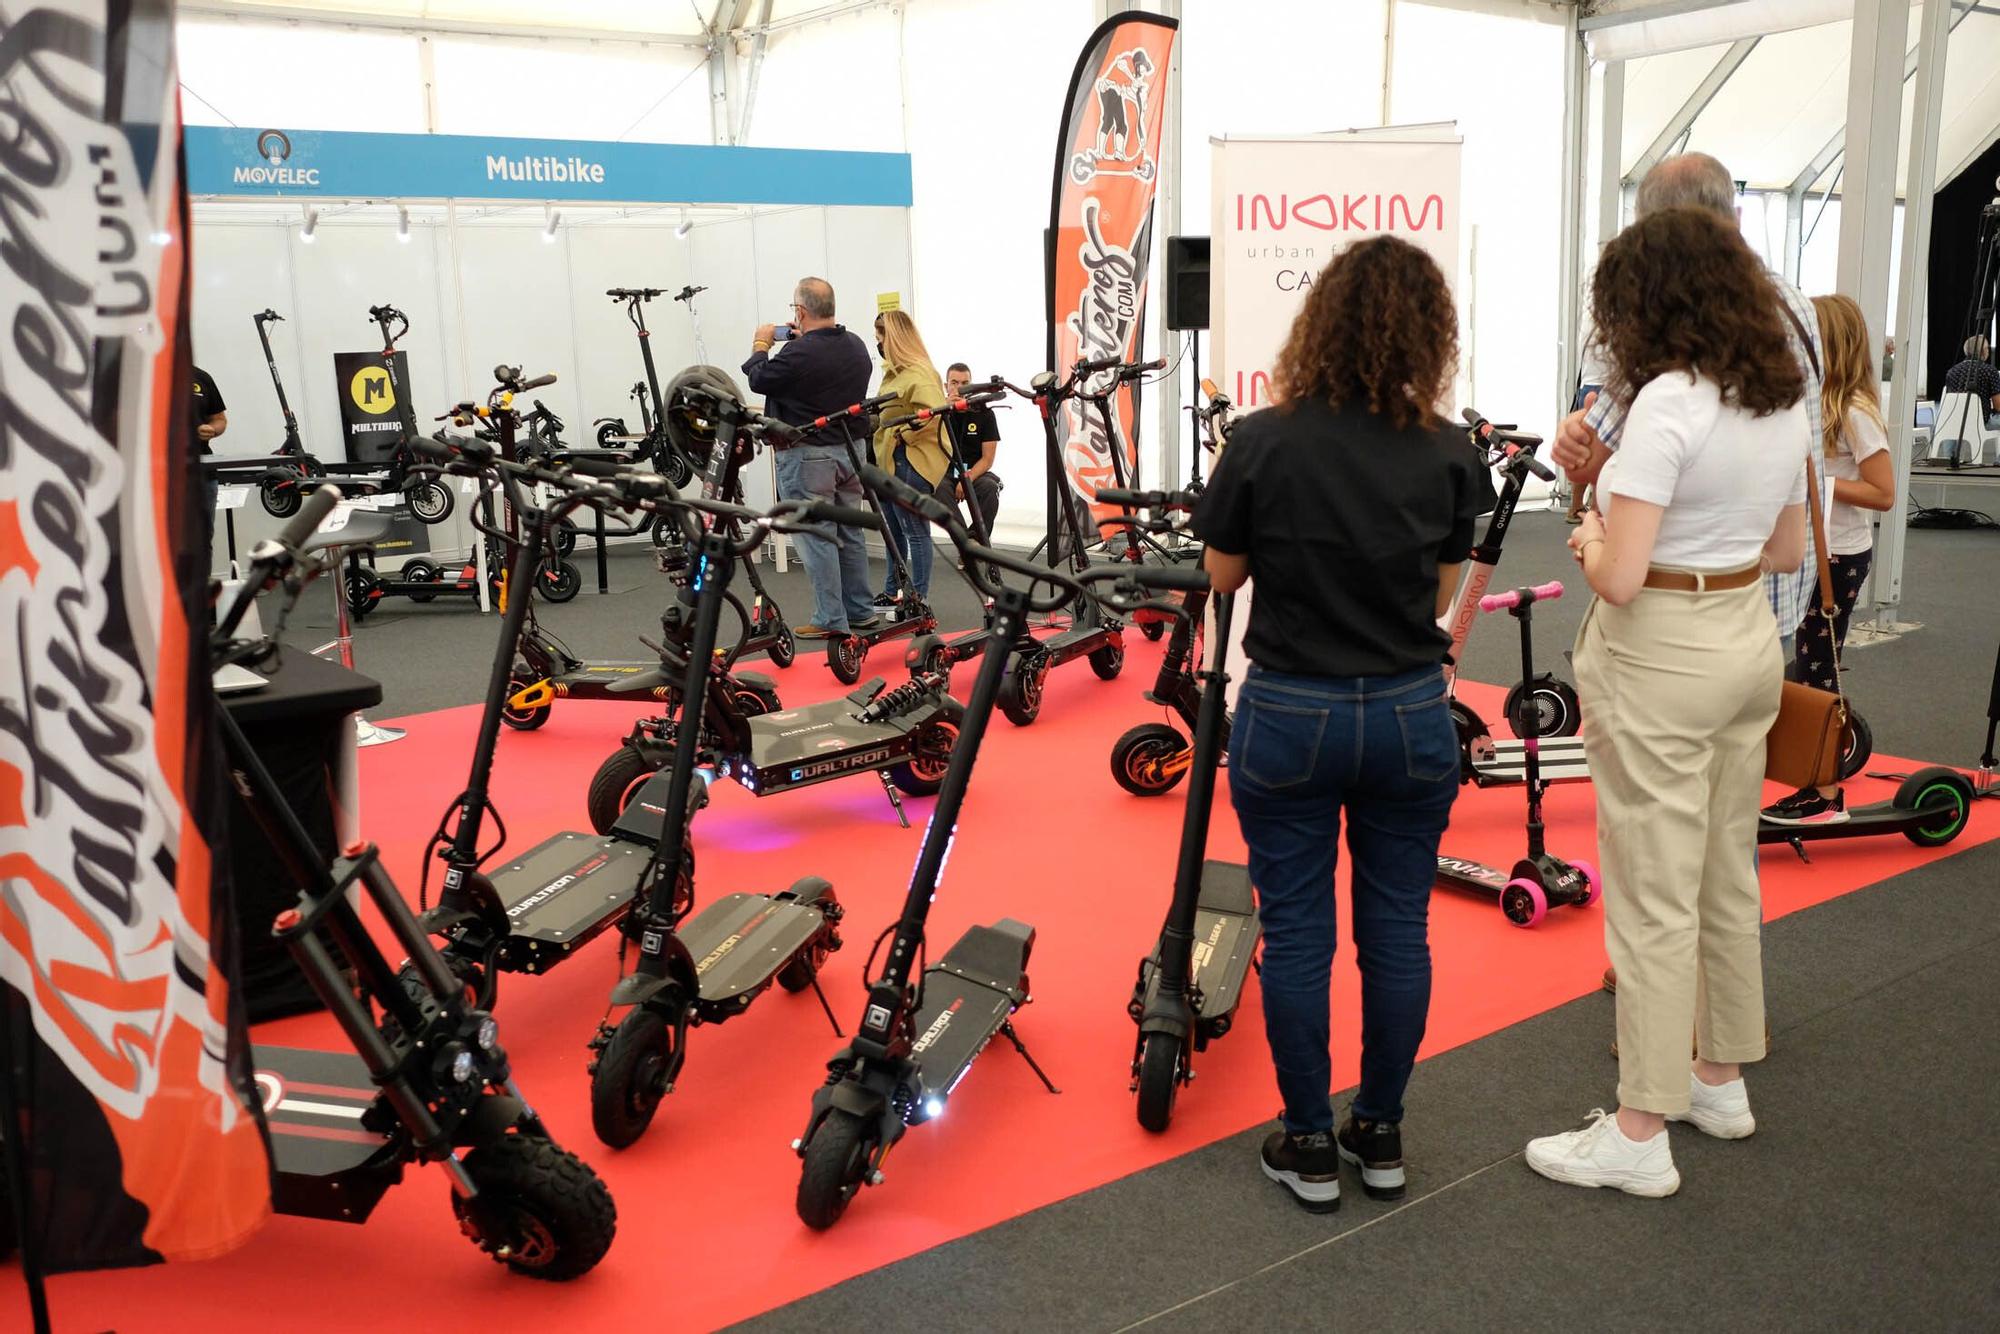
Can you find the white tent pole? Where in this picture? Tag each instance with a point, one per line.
(1795, 233)
(1885, 583)
(1683, 120)
(1167, 222)
(1576, 86)
(1611, 153)
(1874, 113)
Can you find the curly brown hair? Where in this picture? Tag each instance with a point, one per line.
(1378, 329)
(1679, 290)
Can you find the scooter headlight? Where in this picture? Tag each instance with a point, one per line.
(461, 1066)
(487, 1034)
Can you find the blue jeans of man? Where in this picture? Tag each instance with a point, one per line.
(911, 534)
(838, 569)
(1303, 752)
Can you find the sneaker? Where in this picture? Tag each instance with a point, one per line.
(1376, 1147)
(885, 600)
(1306, 1165)
(1721, 1110)
(1808, 807)
(865, 623)
(811, 631)
(1600, 1155)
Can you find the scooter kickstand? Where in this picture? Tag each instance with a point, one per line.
(1007, 1031)
(827, 1007)
(1799, 846)
(889, 790)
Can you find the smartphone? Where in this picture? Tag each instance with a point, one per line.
(782, 332)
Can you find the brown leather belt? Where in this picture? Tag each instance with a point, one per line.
(1681, 581)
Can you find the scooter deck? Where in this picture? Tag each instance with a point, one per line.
(1226, 933)
(326, 1164)
(968, 995)
(1562, 759)
(564, 891)
(1877, 818)
(740, 941)
(599, 676)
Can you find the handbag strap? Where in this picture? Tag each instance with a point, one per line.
(1816, 508)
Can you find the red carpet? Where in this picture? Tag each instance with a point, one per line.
(706, 1230)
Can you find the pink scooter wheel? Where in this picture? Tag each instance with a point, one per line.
(1524, 903)
(1590, 878)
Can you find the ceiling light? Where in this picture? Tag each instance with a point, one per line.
(549, 232)
(312, 221)
(402, 224)
(687, 225)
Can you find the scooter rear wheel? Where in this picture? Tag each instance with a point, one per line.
(1021, 693)
(1559, 713)
(558, 581)
(281, 499)
(1591, 879)
(632, 1077)
(1152, 630)
(1857, 745)
(364, 589)
(1108, 661)
(1160, 1059)
(421, 572)
(836, 1160)
(1138, 759)
(430, 502)
(612, 786)
(922, 775)
(1948, 790)
(540, 1210)
(843, 656)
(524, 720)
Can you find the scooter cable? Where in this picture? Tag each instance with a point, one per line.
(440, 835)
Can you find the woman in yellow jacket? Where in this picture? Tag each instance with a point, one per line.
(917, 457)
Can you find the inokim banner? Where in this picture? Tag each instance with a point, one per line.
(126, 1049)
(1101, 231)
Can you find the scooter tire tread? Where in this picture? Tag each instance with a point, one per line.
(562, 1193)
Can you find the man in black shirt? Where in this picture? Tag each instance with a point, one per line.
(820, 369)
(976, 437)
(1976, 375)
(208, 419)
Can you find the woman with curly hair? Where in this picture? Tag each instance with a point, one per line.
(1351, 505)
(1679, 669)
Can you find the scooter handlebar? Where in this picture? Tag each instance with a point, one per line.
(820, 511)
(927, 507)
(1521, 597)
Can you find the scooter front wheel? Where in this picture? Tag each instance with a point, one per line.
(785, 647)
(1857, 745)
(1160, 1068)
(1941, 788)
(1139, 759)
(613, 785)
(281, 498)
(524, 720)
(558, 581)
(430, 502)
(632, 1076)
(1524, 902)
(540, 1210)
(1557, 709)
(1593, 882)
(836, 1163)
(844, 654)
(1021, 693)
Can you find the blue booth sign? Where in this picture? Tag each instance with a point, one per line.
(339, 164)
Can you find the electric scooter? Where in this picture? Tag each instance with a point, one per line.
(612, 432)
(427, 1080)
(1540, 879)
(704, 967)
(922, 1027)
(656, 445)
(1189, 987)
(284, 484)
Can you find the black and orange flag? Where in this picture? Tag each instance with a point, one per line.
(125, 1050)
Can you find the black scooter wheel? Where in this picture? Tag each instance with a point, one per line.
(927, 654)
(675, 466)
(756, 700)
(1857, 745)
(430, 502)
(420, 572)
(798, 973)
(844, 654)
(558, 581)
(612, 786)
(632, 1077)
(281, 499)
(836, 1161)
(1558, 711)
(1021, 693)
(523, 720)
(922, 775)
(1139, 758)
(364, 589)
(1945, 789)
(1160, 1058)
(540, 1210)
(563, 537)
(1108, 661)
(607, 432)
(1152, 630)
(785, 648)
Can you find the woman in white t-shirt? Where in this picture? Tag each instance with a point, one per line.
(1679, 671)
(1856, 460)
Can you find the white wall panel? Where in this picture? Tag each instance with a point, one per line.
(722, 257)
(792, 245)
(239, 271)
(607, 348)
(868, 254)
(514, 297)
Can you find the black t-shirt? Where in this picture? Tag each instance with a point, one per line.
(971, 432)
(203, 403)
(1975, 377)
(1345, 521)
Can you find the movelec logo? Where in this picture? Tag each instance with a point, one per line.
(275, 147)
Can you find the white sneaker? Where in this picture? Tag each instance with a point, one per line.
(1721, 1110)
(1600, 1155)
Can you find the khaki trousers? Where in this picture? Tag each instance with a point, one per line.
(1679, 692)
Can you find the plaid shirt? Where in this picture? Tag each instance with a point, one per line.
(1791, 594)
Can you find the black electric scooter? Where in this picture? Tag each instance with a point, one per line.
(922, 1027)
(427, 1080)
(611, 431)
(655, 445)
(285, 484)
(704, 967)
(1189, 987)
(1539, 880)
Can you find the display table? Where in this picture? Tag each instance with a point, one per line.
(301, 727)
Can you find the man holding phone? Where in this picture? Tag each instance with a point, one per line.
(817, 369)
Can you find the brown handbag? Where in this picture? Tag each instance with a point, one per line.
(1803, 749)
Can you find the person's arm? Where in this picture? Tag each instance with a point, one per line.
(214, 426)
(768, 374)
(1226, 573)
(987, 453)
(1577, 450)
(1786, 549)
(1877, 488)
(1447, 588)
(1615, 558)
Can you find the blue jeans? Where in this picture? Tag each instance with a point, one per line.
(838, 569)
(1302, 750)
(911, 534)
